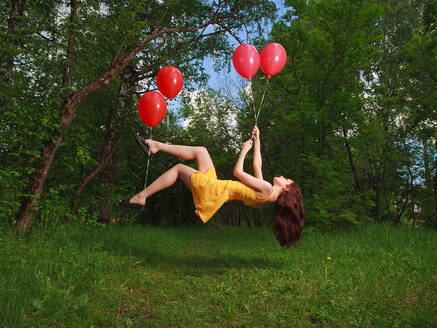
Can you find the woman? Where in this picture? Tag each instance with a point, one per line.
(209, 193)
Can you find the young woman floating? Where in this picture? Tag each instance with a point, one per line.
(210, 194)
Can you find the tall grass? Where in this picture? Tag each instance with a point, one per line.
(146, 276)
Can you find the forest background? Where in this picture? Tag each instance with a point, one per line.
(352, 116)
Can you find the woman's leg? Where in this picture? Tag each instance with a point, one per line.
(199, 153)
(167, 179)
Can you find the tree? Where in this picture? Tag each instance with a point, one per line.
(316, 104)
(405, 92)
(147, 24)
(419, 80)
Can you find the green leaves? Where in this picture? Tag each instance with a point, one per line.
(341, 119)
(350, 95)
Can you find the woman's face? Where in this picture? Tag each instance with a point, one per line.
(281, 181)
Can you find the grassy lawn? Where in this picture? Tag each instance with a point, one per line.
(203, 276)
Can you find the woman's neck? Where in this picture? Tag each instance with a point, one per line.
(277, 190)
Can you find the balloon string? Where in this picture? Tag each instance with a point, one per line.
(251, 99)
(262, 100)
(168, 122)
(168, 118)
(148, 162)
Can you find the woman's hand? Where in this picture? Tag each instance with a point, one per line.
(255, 133)
(246, 146)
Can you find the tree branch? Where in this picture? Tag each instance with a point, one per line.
(163, 16)
(230, 32)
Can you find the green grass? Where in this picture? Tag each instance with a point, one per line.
(146, 276)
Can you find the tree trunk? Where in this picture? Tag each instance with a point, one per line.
(406, 197)
(108, 149)
(68, 110)
(354, 171)
(413, 214)
(257, 218)
(324, 140)
(107, 183)
(39, 176)
(426, 165)
(247, 217)
(323, 145)
(105, 159)
(351, 161)
(110, 171)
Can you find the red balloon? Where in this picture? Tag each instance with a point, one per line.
(273, 58)
(152, 108)
(246, 60)
(169, 81)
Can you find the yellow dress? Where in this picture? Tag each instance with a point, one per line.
(209, 193)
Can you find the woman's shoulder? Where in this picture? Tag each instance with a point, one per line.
(265, 190)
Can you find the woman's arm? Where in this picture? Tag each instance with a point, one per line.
(263, 187)
(257, 160)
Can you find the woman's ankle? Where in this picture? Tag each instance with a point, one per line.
(153, 145)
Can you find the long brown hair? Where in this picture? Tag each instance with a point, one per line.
(289, 216)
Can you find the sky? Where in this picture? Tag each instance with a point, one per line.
(229, 78)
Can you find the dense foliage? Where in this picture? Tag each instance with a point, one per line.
(352, 116)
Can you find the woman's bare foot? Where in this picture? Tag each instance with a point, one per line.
(152, 144)
(137, 199)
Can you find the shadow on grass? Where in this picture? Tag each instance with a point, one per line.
(194, 250)
(195, 261)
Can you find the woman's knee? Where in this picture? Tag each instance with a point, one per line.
(178, 167)
(184, 173)
(183, 169)
(202, 150)
(204, 161)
